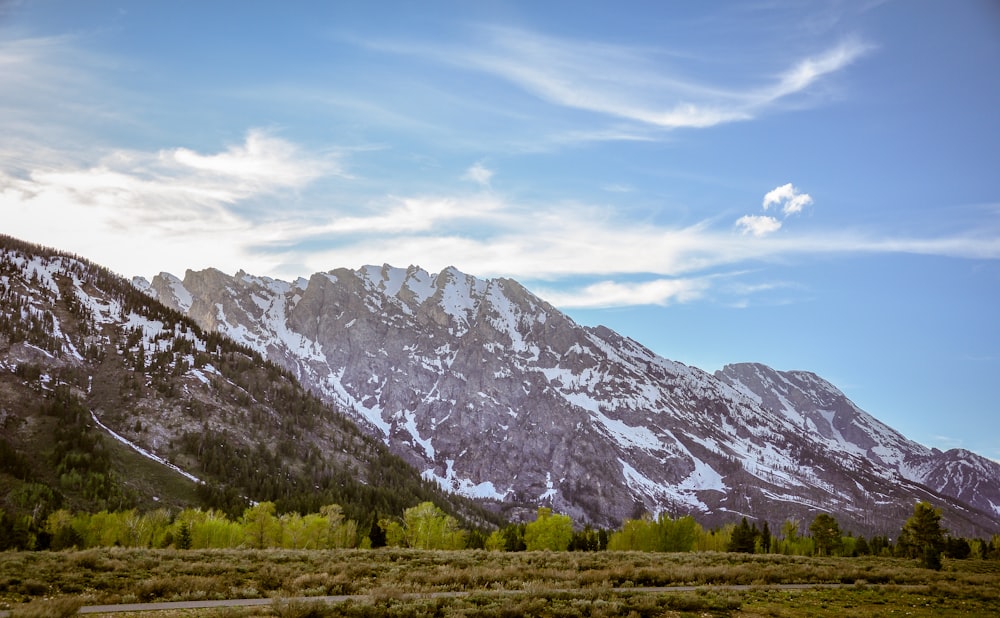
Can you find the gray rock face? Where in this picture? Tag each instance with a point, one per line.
(497, 395)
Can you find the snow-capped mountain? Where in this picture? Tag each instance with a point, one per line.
(109, 399)
(494, 393)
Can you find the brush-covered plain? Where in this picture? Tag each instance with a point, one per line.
(406, 582)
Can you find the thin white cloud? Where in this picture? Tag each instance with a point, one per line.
(181, 179)
(614, 294)
(411, 214)
(261, 163)
(758, 225)
(809, 70)
(629, 83)
(479, 174)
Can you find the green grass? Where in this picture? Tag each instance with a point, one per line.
(398, 582)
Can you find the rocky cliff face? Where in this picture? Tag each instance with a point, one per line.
(496, 394)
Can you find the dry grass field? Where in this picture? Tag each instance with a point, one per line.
(413, 583)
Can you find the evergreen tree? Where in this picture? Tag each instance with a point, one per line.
(826, 534)
(922, 536)
(743, 539)
(513, 535)
(183, 540)
(765, 539)
(957, 548)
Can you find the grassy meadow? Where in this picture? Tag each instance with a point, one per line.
(407, 582)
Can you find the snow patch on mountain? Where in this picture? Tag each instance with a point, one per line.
(465, 487)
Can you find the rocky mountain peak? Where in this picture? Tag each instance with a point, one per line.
(495, 394)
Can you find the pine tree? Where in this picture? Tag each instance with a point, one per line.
(922, 536)
(765, 539)
(826, 534)
(183, 536)
(744, 538)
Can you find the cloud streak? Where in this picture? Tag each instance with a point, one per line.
(604, 294)
(633, 84)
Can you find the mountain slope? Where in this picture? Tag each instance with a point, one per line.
(831, 419)
(109, 399)
(493, 392)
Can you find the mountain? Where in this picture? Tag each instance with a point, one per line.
(109, 399)
(494, 393)
(833, 420)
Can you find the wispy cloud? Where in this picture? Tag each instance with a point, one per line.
(630, 83)
(54, 88)
(622, 294)
(479, 174)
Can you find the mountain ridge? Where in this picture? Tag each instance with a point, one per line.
(494, 393)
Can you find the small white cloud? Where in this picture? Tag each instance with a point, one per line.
(479, 174)
(758, 225)
(790, 199)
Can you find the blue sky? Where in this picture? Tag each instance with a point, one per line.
(812, 185)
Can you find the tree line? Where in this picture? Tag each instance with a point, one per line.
(426, 526)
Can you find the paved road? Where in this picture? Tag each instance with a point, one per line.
(146, 607)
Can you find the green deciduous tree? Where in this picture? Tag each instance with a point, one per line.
(261, 527)
(635, 535)
(548, 531)
(424, 526)
(428, 527)
(662, 534)
(340, 532)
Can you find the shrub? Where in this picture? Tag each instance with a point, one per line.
(301, 609)
(52, 608)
